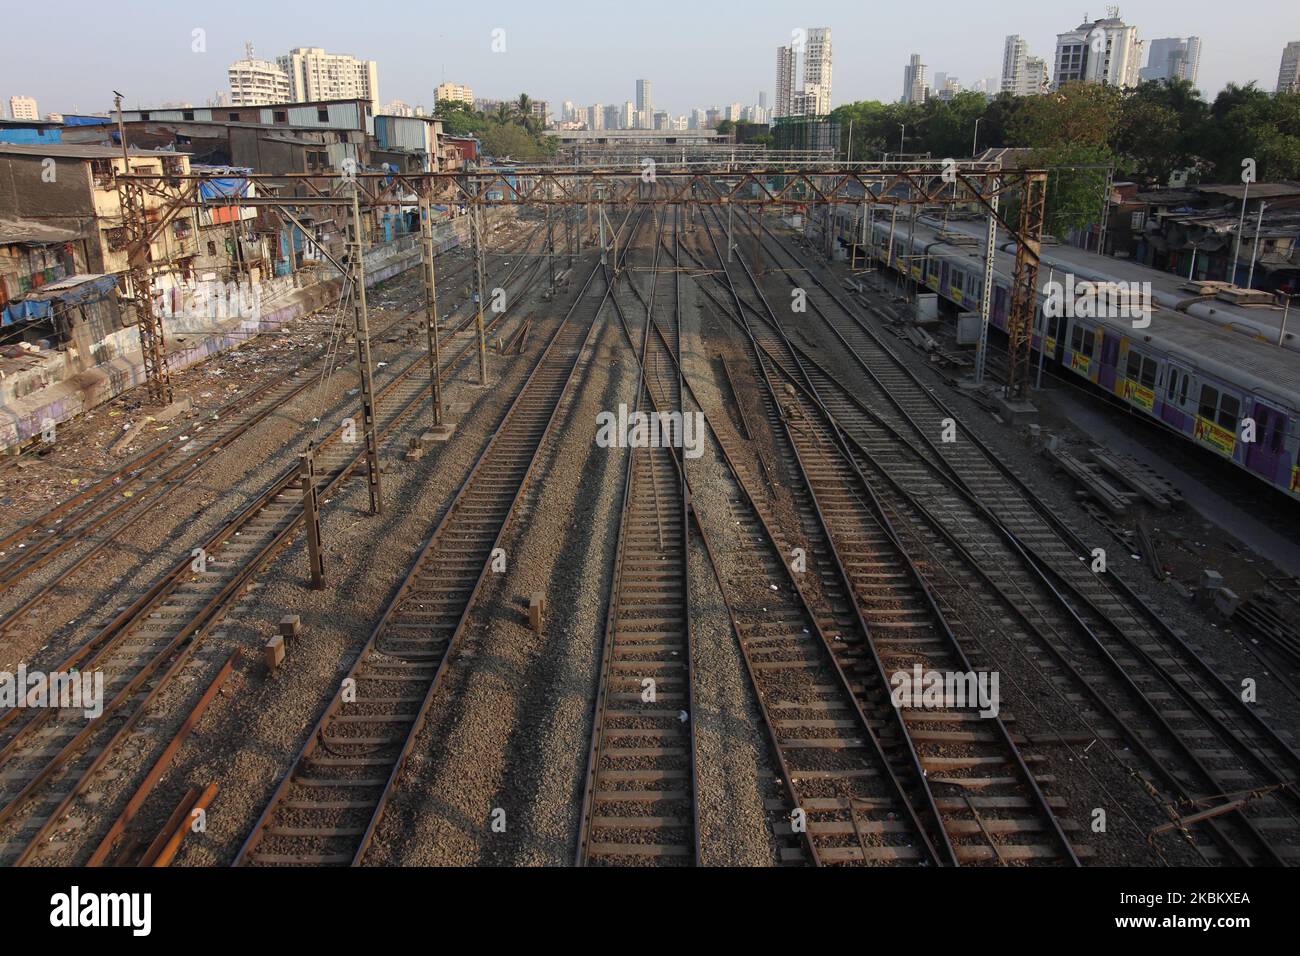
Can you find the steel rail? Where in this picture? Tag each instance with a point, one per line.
(167, 482)
(859, 528)
(186, 639)
(643, 630)
(407, 660)
(1055, 580)
(809, 769)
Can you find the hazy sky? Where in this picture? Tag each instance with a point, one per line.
(70, 55)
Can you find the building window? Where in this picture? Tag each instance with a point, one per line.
(102, 172)
(144, 117)
(187, 114)
(232, 117)
(116, 239)
(280, 116)
(323, 114)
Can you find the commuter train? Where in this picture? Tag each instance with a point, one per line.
(1225, 377)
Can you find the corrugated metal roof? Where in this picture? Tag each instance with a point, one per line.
(78, 151)
(33, 233)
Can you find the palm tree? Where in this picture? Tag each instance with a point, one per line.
(524, 106)
(504, 114)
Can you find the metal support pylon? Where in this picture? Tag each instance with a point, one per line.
(990, 247)
(361, 316)
(153, 344)
(476, 229)
(431, 307)
(311, 517)
(1024, 286)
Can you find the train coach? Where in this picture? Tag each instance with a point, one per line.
(1214, 374)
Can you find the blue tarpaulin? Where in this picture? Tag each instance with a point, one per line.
(28, 310)
(224, 187)
(73, 291)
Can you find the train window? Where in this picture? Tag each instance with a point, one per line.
(1142, 369)
(1218, 407)
(1209, 402)
(1081, 340)
(1229, 409)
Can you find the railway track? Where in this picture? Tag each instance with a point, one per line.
(845, 800)
(639, 805)
(90, 521)
(1206, 756)
(954, 749)
(326, 809)
(53, 755)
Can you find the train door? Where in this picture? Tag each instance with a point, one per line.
(1080, 349)
(1106, 371)
(1267, 454)
(1173, 410)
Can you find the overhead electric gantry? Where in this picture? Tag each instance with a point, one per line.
(749, 183)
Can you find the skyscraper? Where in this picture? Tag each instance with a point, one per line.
(1173, 58)
(317, 75)
(643, 99)
(1288, 75)
(1015, 53)
(914, 80)
(813, 97)
(1105, 51)
(785, 59)
(817, 70)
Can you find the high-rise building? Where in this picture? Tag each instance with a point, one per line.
(628, 119)
(612, 116)
(785, 61)
(1015, 56)
(1173, 58)
(643, 99)
(817, 71)
(1038, 78)
(23, 108)
(596, 116)
(697, 119)
(1105, 51)
(813, 97)
(453, 93)
(255, 82)
(1288, 75)
(317, 75)
(762, 99)
(915, 89)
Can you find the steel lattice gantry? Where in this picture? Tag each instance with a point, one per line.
(794, 185)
